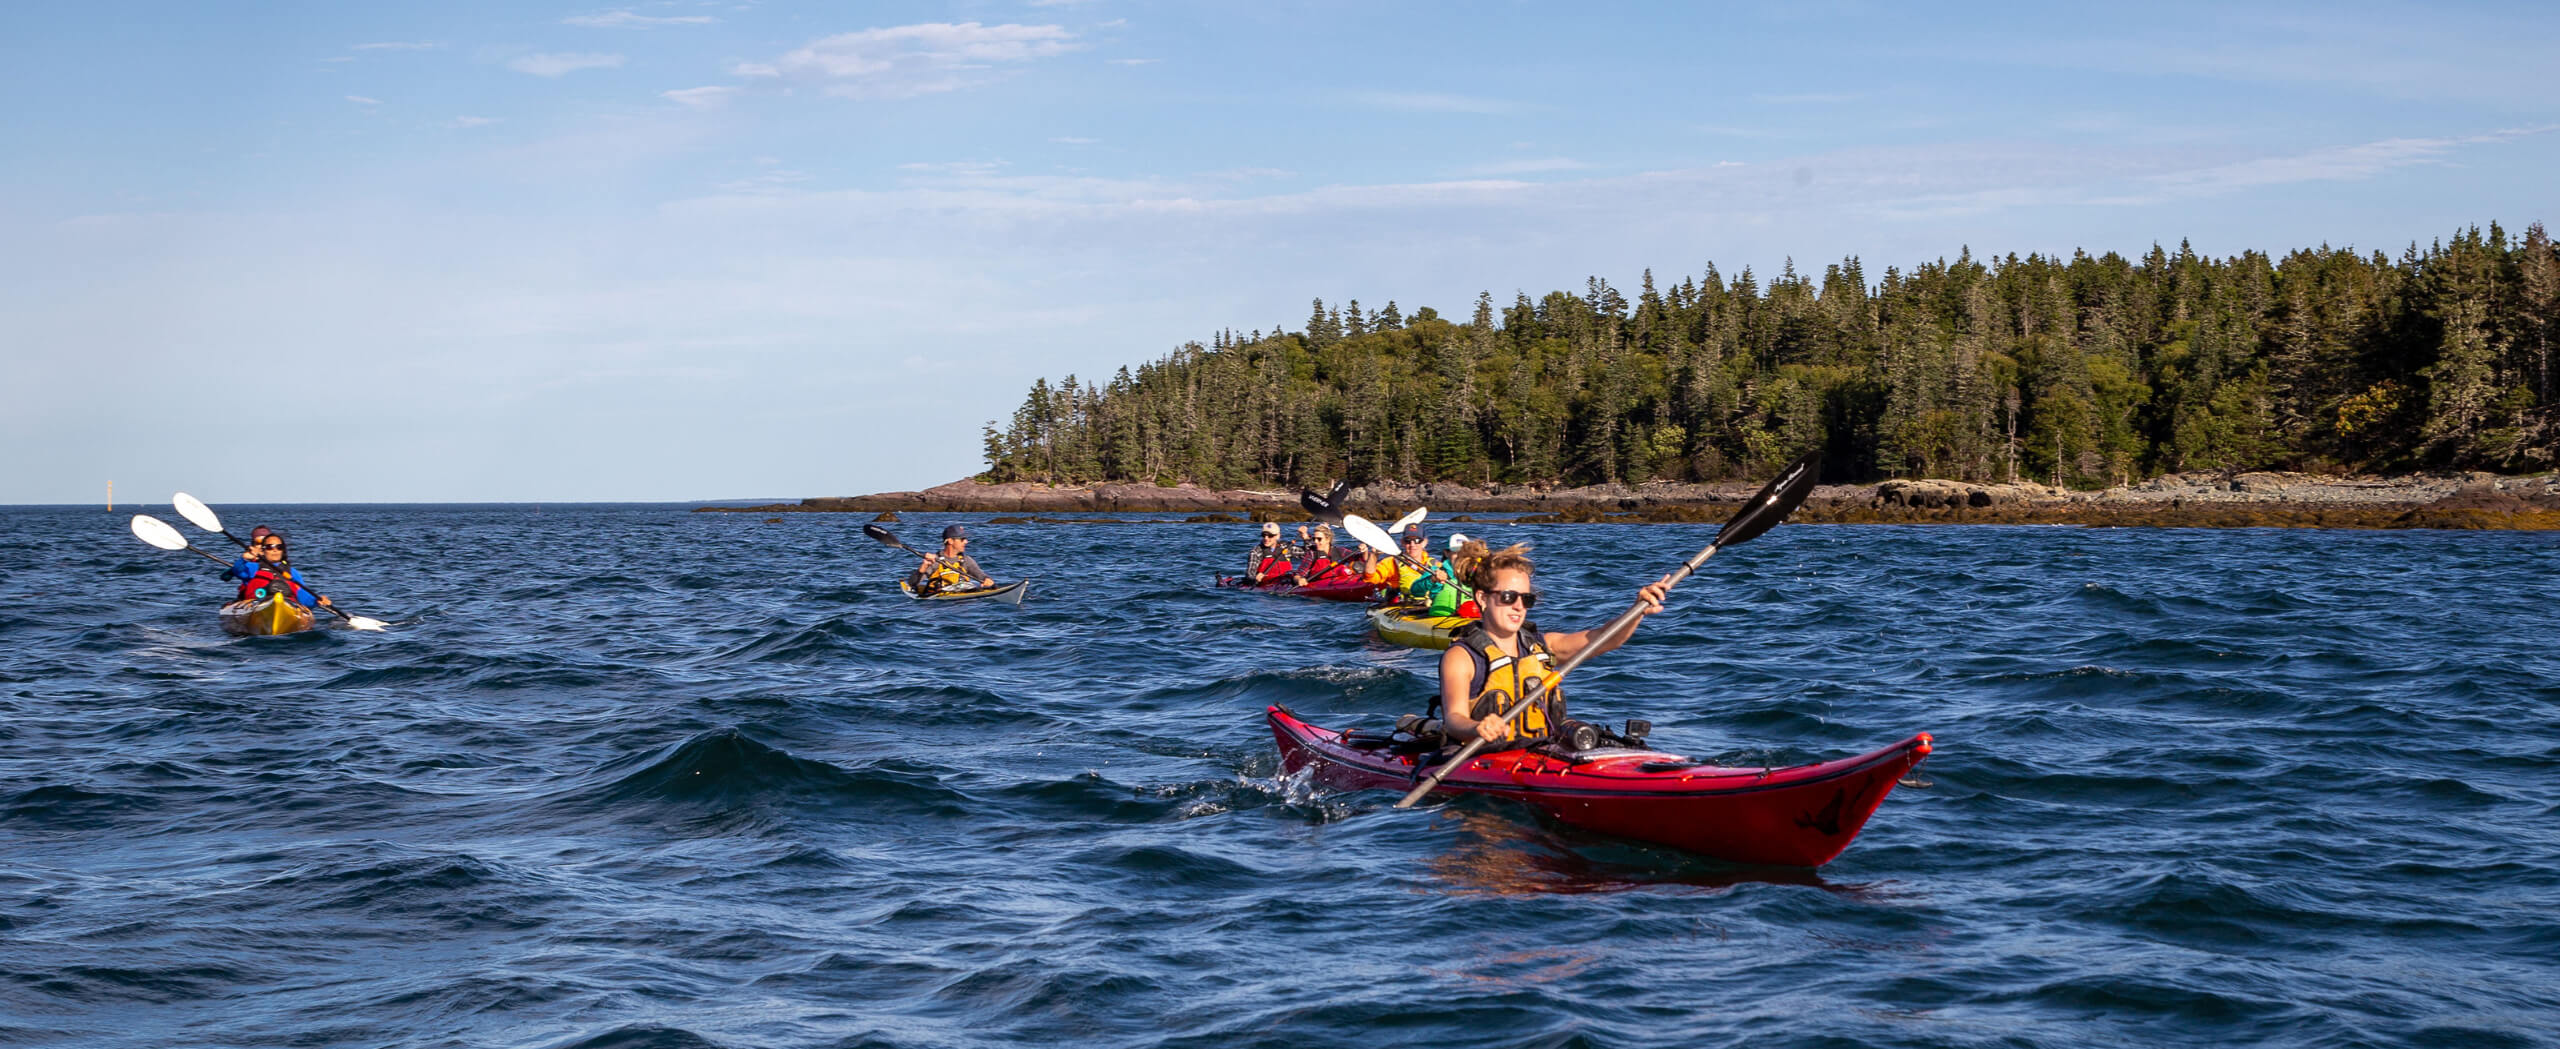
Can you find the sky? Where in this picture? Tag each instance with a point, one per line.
(458, 251)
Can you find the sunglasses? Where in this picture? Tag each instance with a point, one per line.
(1526, 599)
(271, 545)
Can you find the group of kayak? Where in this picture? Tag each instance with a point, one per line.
(1498, 723)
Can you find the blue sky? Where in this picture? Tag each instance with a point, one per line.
(458, 251)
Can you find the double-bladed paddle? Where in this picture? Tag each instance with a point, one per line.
(157, 532)
(1771, 505)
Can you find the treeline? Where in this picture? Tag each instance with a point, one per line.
(2085, 371)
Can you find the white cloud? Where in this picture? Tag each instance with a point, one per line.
(463, 122)
(397, 45)
(1073, 140)
(712, 97)
(625, 18)
(906, 61)
(561, 64)
(1437, 102)
(363, 101)
(1134, 61)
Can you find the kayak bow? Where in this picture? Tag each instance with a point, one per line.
(1415, 627)
(1792, 817)
(258, 618)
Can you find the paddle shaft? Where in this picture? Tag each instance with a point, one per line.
(1607, 636)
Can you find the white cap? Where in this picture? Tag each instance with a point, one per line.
(1271, 528)
(1456, 541)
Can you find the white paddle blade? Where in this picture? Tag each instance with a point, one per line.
(1456, 541)
(196, 512)
(365, 623)
(1369, 534)
(157, 532)
(1408, 520)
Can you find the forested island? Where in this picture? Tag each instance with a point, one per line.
(2082, 373)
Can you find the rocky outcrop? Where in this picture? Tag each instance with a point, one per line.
(2254, 499)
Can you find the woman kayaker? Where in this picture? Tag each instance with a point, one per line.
(950, 569)
(275, 574)
(1323, 565)
(1494, 661)
(1269, 560)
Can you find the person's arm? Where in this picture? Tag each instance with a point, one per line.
(969, 567)
(1457, 679)
(1564, 646)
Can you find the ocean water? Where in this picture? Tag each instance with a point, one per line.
(631, 777)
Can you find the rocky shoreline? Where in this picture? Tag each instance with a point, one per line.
(2246, 500)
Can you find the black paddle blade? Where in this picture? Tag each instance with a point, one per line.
(1325, 508)
(1774, 502)
(881, 534)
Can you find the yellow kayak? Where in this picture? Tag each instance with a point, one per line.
(1415, 627)
(275, 615)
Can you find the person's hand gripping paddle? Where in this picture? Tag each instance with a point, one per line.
(1771, 505)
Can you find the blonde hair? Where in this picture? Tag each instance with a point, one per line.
(1477, 563)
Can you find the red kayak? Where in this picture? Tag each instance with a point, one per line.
(1357, 590)
(1791, 817)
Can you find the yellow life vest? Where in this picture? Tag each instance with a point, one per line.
(946, 575)
(1501, 679)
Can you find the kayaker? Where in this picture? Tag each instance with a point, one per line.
(1323, 565)
(1495, 660)
(1425, 581)
(951, 569)
(1269, 560)
(246, 565)
(275, 574)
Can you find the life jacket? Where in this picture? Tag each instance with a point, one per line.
(272, 583)
(946, 575)
(1500, 679)
(1270, 563)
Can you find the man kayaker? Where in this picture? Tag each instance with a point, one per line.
(1497, 659)
(1269, 560)
(950, 569)
(276, 575)
(246, 565)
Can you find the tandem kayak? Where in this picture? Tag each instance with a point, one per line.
(1355, 590)
(1415, 627)
(1009, 593)
(266, 616)
(1792, 817)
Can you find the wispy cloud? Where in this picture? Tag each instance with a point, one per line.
(363, 101)
(1528, 166)
(625, 18)
(1073, 140)
(1133, 61)
(563, 63)
(468, 121)
(1809, 98)
(2363, 160)
(1437, 102)
(911, 60)
(397, 45)
(712, 97)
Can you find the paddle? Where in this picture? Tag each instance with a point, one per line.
(157, 532)
(1771, 505)
(194, 510)
(1325, 508)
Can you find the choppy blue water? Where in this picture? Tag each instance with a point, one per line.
(628, 776)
